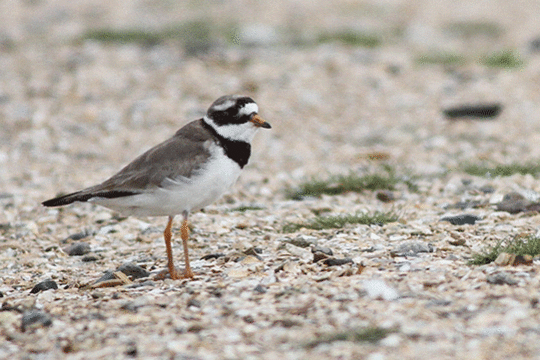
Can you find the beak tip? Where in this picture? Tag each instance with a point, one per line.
(266, 125)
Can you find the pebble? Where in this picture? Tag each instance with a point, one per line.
(78, 236)
(35, 319)
(479, 111)
(89, 258)
(513, 203)
(133, 270)
(336, 262)
(318, 256)
(260, 289)
(412, 248)
(501, 278)
(461, 219)
(324, 250)
(78, 249)
(385, 196)
(44, 285)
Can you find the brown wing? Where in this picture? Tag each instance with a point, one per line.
(176, 157)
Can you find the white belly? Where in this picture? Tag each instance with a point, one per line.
(179, 195)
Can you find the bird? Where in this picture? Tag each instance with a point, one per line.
(183, 174)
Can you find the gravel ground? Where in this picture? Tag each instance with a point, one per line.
(74, 110)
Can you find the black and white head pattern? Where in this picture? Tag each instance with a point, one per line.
(231, 117)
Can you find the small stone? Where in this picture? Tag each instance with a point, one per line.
(457, 242)
(473, 111)
(141, 284)
(336, 262)
(212, 256)
(43, 286)
(260, 289)
(318, 256)
(300, 242)
(461, 219)
(194, 302)
(505, 259)
(108, 275)
(253, 252)
(78, 236)
(385, 196)
(487, 189)
(324, 250)
(513, 203)
(135, 271)
(90, 258)
(35, 319)
(501, 278)
(412, 248)
(78, 249)
(131, 350)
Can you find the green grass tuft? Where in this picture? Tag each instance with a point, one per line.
(123, 36)
(504, 59)
(370, 334)
(246, 208)
(196, 36)
(502, 170)
(529, 245)
(339, 221)
(349, 37)
(339, 184)
(469, 29)
(440, 58)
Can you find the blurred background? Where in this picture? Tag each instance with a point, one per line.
(343, 83)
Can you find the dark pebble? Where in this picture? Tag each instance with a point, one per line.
(212, 256)
(90, 258)
(534, 45)
(130, 306)
(461, 219)
(513, 203)
(254, 252)
(35, 319)
(473, 111)
(79, 236)
(385, 196)
(134, 271)
(144, 283)
(318, 256)
(195, 328)
(487, 189)
(300, 242)
(108, 275)
(335, 262)
(44, 285)
(501, 279)
(1, 294)
(462, 205)
(324, 250)
(131, 350)
(78, 249)
(194, 302)
(260, 289)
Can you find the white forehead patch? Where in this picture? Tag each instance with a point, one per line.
(248, 109)
(226, 105)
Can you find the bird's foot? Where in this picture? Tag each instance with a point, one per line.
(175, 275)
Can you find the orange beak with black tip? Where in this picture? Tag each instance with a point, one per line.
(259, 122)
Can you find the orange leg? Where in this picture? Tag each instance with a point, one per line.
(168, 236)
(185, 234)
